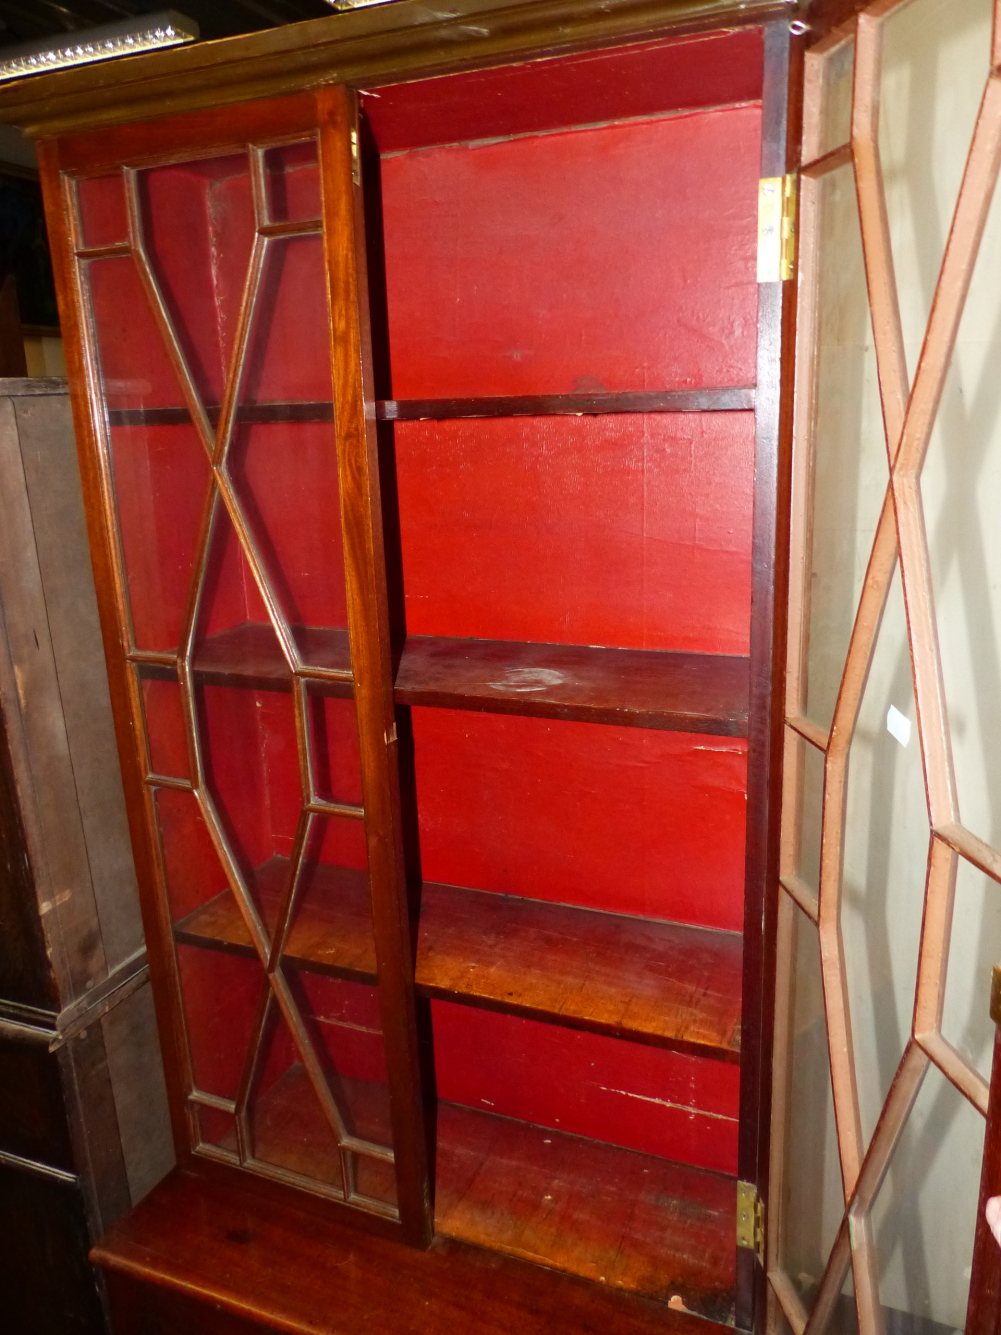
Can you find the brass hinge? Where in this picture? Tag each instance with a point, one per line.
(996, 995)
(776, 228)
(355, 158)
(750, 1220)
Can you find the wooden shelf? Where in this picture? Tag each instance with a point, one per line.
(628, 1220)
(738, 398)
(665, 984)
(331, 932)
(642, 688)
(660, 983)
(632, 1221)
(250, 656)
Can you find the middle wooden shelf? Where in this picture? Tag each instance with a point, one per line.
(666, 984)
(645, 688)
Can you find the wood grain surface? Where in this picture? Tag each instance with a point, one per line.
(636, 687)
(643, 688)
(662, 983)
(628, 1220)
(203, 1257)
(666, 984)
(331, 932)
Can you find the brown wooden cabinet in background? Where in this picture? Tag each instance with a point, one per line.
(430, 419)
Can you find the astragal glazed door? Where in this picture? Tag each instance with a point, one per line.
(889, 904)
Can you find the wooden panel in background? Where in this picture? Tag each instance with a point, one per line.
(642, 1098)
(482, 302)
(540, 95)
(626, 820)
(631, 531)
(629, 1220)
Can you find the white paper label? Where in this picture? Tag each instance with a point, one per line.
(898, 725)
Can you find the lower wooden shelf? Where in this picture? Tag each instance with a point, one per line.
(618, 1217)
(667, 984)
(625, 1219)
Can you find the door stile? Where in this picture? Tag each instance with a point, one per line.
(781, 104)
(368, 622)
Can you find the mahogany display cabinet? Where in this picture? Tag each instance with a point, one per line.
(428, 380)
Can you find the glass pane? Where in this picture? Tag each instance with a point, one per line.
(198, 223)
(813, 1199)
(292, 181)
(810, 764)
(282, 460)
(287, 1126)
(935, 65)
(974, 950)
(296, 1125)
(850, 462)
(835, 121)
(925, 1215)
(220, 994)
(102, 211)
(885, 864)
(336, 760)
(192, 870)
(166, 732)
(216, 1128)
(159, 464)
(961, 492)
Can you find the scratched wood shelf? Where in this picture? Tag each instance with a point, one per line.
(331, 932)
(705, 693)
(632, 1221)
(665, 984)
(728, 399)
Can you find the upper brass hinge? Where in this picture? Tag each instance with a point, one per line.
(996, 995)
(355, 158)
(750, 1219)
(777, 228)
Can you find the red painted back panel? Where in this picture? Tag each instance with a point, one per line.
(620, 257)
(629, 531)
(640, 80)
(621, 819)
(678, 1107)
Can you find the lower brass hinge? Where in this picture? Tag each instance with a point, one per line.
(750, 1220)
(777, 228)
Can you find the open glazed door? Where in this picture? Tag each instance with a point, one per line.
(888, 908)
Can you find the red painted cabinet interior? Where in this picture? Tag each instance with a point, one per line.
(570, 593)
